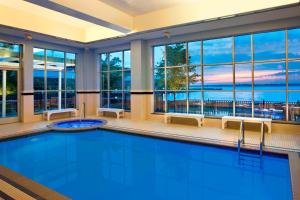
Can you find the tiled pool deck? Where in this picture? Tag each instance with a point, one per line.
(283, 140)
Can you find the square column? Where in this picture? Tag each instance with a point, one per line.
(141, 73)
(87, 81)
(27, 98)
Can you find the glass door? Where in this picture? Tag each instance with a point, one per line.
(9, 78)
(8, 96)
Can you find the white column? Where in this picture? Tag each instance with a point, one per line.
(59, 88)
(4, 93)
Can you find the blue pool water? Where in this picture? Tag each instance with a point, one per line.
(108, 165)
(78, 123)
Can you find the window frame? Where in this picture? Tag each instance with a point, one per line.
(107, 72)
(252, 62)
(63, 91)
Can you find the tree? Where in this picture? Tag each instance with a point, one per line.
(176, 75)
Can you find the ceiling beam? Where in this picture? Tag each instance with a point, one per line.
(124, 28)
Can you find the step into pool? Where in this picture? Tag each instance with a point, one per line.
(111, 165)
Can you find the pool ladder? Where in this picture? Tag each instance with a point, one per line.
(241, 141)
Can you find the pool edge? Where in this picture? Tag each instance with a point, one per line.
(21, 185)
(294, 163)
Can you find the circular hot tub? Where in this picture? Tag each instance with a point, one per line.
(77, 124)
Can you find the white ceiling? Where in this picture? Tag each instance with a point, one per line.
(139, 7)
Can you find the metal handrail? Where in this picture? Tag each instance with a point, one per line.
(262, 139)
(241, 136)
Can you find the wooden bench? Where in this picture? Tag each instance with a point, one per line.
(47, 114)
(198, 117)
(266, 121)
(119, 112)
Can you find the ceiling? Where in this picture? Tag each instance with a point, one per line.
(80, 21)
(138, 7)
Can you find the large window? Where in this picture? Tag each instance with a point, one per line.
(10, 55)
(53, 79)
(254, 75)
(115, 79)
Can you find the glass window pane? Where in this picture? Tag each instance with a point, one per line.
(195, 102)
(52, 100)
(38, 58)
(52, 80)
(243, 76)
(270, 105)
(218, 77)
(70, 99)
(70, 71)
(177, 102)
(38, 79)
(218, 104)
(294, 43)
(294, 75)
(9, 54)
(104, 99)
(115, 99)
(194, 49)
(159, 79)
(159, 59)
(243, 104)
(217, 51)
(176, 54)
(159, 101)
(127, 101)
(11, 93)
(70, 79)
(127, 80)
(176, 78)
(195, 78)
(55, 60)
(269, 46)
(269, 76)
(127, 59)
(104, 61)
(55, 69)
(242, 48)
(294, 106)
(115, 60)
(39, 102)
(104, 81)
(115, 80)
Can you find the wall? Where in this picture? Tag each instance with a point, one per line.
(88, 66)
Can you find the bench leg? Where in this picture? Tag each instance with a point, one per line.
(166, 120)
(118, 115)
(223, 124)
(199, 122)
(269, 127)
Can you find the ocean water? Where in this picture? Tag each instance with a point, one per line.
(111, 165)
(274, 93)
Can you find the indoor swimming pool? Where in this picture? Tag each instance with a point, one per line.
(104, 164)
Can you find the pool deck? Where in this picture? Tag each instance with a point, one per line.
(287, 142)
(282, 140)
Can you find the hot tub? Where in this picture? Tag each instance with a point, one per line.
(77, 124)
